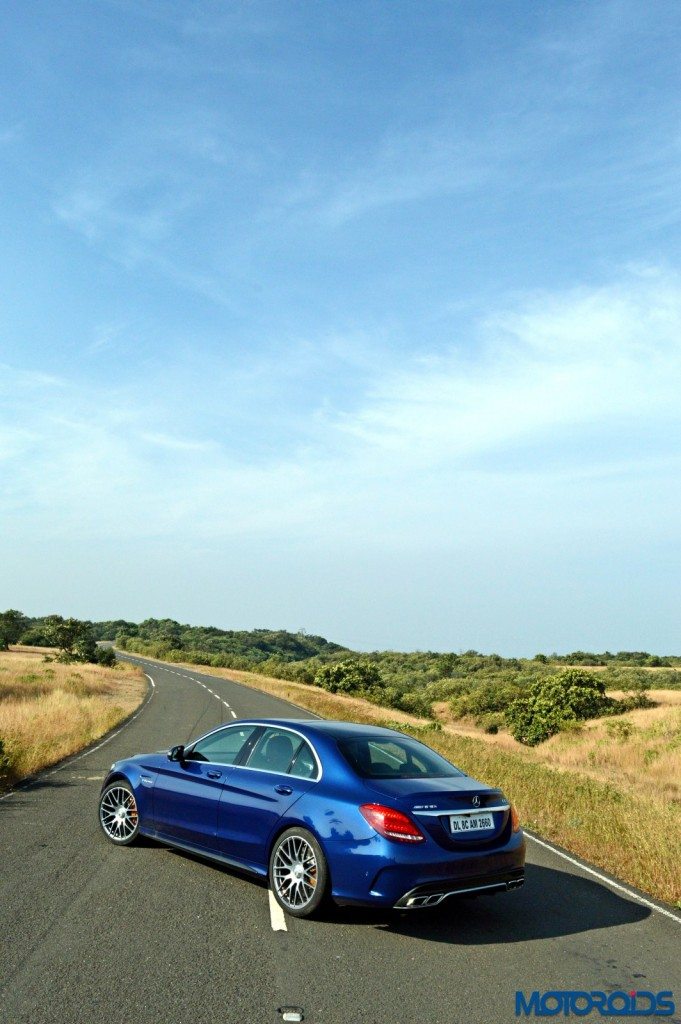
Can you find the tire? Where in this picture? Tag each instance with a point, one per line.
(298, 873)
(118, 815)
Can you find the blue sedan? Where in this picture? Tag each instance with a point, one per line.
(360, 814)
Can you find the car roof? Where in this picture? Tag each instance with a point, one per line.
(336, 730)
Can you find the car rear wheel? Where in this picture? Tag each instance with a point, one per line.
(118, 814)
(298, 874)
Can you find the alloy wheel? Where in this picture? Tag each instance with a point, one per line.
(295, 872)
(118, 813)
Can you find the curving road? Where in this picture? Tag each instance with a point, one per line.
(91, 933)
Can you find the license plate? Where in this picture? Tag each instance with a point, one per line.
(462, 824)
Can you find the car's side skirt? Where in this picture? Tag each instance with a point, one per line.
(199, 851)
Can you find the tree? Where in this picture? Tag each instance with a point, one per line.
(72, 637)
(12, 625)
(554, 701)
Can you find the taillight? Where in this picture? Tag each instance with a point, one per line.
(515, 820)
(391, 823)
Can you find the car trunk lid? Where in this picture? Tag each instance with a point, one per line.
(457, 812)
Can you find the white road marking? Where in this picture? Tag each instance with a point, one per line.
(604, 879)
(232, 713)
(277, 918)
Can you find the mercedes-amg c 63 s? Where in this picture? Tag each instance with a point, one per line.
(360, 814)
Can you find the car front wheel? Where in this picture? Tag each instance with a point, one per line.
(118, 814)
(298, 873)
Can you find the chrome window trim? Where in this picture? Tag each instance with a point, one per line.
(267, 771)
(463, 810)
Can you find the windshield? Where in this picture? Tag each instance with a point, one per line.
(378, 757)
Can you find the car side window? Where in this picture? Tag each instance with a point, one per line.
(274, 751)
(304, 765)
(223, 746)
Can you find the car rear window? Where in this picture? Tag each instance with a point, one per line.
(378, 757)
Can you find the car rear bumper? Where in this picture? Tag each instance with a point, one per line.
(407, 873)
(432, 893)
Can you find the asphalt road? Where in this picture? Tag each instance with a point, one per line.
(92, 933)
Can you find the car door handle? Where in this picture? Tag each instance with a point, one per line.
(284, 790)
(213, 775)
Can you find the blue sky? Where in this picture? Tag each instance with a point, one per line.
(358, 317)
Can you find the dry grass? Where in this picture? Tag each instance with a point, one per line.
(49, 711)
(639, 751)
(607, 799)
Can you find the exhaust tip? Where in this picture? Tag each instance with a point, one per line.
(429, 900)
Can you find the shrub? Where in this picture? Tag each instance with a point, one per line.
(636, 685)
(492, 722)
(552, 702)
(105, 656)
(619, 729)
(634, 699)
(385, 696)
(487, 698)
(417, 703)
(348, 676)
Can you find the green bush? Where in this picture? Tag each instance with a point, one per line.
(348, 676)
(635, 699)
(385, 696)
(488, 697)
(492, 722)
(105, 656)
(417, 703)
(620, 729)
(555, 701)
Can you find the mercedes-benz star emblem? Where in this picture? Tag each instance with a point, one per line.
(476, 801)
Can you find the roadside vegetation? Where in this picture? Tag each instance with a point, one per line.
(588, 745)
(531, 699)
(608, 789)
(50, 710)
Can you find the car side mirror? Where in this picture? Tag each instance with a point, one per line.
(176, 753)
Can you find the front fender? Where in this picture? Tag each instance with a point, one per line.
(142, 780)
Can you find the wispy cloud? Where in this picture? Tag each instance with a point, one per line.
(407, 167)
(177, 444)
(588, 357)
(131, 197)
(603, 362)
(106, 336)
